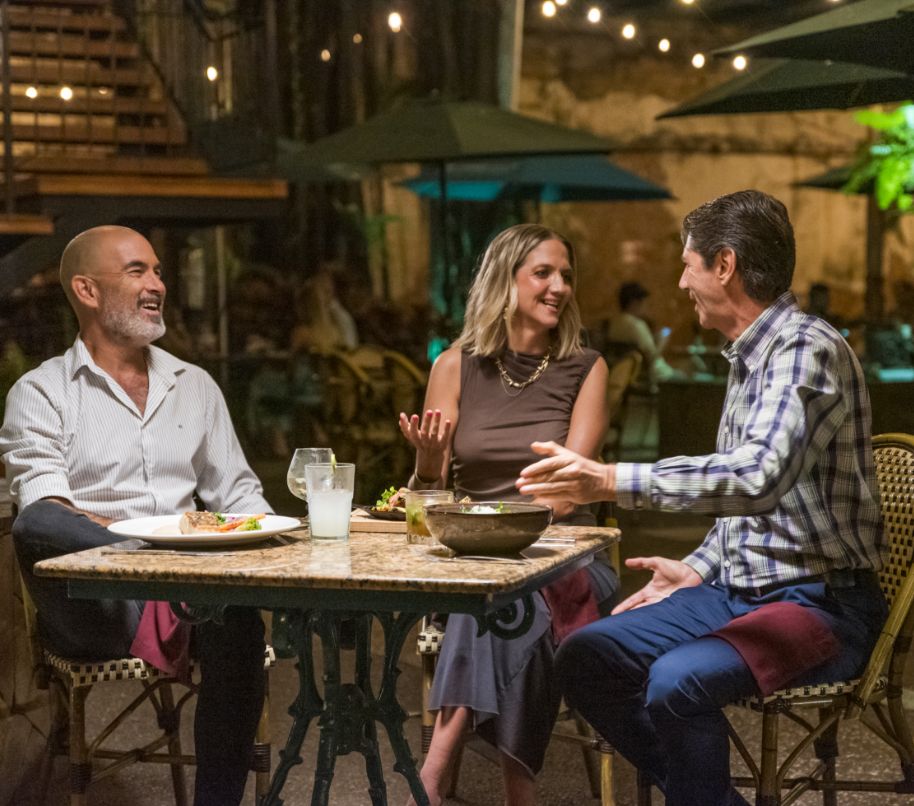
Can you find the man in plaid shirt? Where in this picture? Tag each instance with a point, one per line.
(783, 590)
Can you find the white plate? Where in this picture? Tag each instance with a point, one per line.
(146, 528)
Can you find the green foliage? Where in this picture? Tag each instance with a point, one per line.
(13, 365)
(888, 162)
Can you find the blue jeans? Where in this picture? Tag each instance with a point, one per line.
(653, 684)
(230, 654)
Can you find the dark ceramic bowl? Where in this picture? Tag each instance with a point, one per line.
(508, 530)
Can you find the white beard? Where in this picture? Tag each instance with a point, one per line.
(131, 327)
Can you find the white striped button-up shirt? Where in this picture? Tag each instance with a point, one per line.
(70, 431)
(792, 482)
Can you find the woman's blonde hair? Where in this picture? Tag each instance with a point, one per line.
(493, 296)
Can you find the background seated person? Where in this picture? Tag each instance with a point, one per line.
(325, 323)
(116, 428)
(631, 328)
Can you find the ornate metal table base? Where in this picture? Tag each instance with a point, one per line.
(348, 712)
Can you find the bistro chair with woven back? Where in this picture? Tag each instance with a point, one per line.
(873, 700)
(69, 683)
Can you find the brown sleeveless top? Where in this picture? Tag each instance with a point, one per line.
(497, 422)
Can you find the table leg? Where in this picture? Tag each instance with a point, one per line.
(308, 704)
(349, 711)
(390, 714)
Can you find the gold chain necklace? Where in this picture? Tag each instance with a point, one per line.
(519, 385)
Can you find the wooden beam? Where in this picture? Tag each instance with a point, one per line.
(22, 224)
(76, 129)
(48, 101)
(50, 43)
(115, 164)
(152, 186)
(51, 71)
(59, 19)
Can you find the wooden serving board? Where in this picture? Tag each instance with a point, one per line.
(365, 523)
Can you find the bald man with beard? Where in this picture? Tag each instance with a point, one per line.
(117, 428)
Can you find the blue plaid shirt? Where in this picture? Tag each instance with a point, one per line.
(792, 483)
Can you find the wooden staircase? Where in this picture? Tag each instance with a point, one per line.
(91, 136)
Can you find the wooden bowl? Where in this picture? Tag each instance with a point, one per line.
(487, 527)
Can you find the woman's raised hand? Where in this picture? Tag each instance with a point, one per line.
(431, 437)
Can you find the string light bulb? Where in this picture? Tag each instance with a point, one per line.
(212, 73)
(594, 15)
(664, 45)
(394, 21)
(31, 92)
(357, 39)
(698, 61)
(548, 9)
(561, 2)
(740, 62)
(687, 2)
(325, 55)
(66, 93)
(629, 30)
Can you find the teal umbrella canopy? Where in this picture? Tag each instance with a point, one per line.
(781, 85)
(435, 130)
(879, 33)
(581, 177)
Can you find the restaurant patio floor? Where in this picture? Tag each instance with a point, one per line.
(563, 782)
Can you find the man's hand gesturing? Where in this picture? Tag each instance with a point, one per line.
(669, 576)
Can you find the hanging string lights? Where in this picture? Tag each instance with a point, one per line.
(594, 13)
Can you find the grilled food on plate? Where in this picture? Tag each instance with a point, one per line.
(208, 522)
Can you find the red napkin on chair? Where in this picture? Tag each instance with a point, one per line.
(571, 603)
(163, 640)
(779, 642)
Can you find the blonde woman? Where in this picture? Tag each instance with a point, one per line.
(517, 374)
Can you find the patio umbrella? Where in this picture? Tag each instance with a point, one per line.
(436, 131)
(583, 177)
(778, 85)
(874, 32)
(836, 179)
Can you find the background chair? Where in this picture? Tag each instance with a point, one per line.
(623, 373)
(70, 682)
(875, 699)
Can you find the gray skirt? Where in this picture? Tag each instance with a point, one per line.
(508, 683)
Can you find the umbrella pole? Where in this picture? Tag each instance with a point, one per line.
(874, 307)
(445, 246)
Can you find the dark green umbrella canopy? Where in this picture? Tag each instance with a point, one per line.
(780, 85)
(836, 179)
(435, 130)
(879, 33)
(573, 177)
(439, 132)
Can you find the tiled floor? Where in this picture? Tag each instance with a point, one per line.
(563, 782)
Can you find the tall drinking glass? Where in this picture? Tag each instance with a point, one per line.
(330, 499)
(295, 476)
